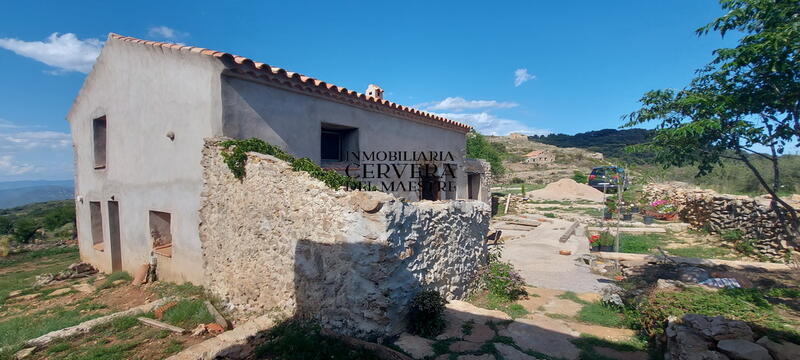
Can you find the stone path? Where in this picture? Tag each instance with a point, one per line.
(535, 254)
(549, 329)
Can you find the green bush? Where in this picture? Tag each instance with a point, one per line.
(426, 314)
(480, 148)
(745, 246)
(24, 230)
(235, 156)
(580, 177)
(517, 180)
(503, 282)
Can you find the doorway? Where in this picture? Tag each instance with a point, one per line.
(473, 186)
(114, 241)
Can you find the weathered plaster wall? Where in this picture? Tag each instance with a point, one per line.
(279, 239)
(145, 94)
(293, 121)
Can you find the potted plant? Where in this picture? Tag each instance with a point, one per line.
(594, 242)
(663, 210)
(611, 208)
(627, 214)
(606, 241)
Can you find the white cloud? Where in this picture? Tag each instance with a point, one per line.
(65, 52)
(459, 103)
(27, 140)
(521, 76)
(489, 124)
(9, 167)
(164, 32)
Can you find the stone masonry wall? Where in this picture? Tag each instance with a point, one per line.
(717, 213)
(281, 240)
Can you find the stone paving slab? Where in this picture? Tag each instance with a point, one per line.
(544, 335)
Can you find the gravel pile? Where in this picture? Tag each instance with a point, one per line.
(567, 189)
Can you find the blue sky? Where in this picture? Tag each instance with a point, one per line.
(527, 66)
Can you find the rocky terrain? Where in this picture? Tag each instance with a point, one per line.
(567, 161)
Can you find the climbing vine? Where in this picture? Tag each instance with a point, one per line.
(235, 156)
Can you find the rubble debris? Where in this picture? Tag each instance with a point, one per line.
(74, 271)
(159, 312)
(218, 318)
(24, 353)
(214, 328)
(200, 330)
(161, 325)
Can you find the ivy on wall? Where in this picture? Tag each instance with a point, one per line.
(235, 156)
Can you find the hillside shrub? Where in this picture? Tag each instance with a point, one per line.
(503, 282)
(580, 177)
(517, 180)
(24, 230)
(480, 148)
(426, 314)
(235, 156)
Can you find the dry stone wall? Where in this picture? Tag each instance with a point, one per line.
(717, 213)
(281, 240)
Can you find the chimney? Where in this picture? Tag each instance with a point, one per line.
(375, 91)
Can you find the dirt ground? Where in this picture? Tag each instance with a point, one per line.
(27, 312)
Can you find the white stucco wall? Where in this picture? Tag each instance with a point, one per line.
(144, 95)
(294, 120)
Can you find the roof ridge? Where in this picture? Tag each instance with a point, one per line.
(249, 66)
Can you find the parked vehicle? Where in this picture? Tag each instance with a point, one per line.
(608, 178)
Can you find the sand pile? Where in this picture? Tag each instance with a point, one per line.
(567, 189)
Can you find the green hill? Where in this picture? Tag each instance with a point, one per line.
(609, 142)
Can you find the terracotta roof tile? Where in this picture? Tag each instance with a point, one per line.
(243, 65)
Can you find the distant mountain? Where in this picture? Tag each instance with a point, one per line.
(17, 193)
(610, 142)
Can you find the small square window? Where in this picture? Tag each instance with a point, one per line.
(161, 232)
(337, 141)
(331, 146)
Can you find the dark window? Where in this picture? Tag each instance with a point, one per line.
(331, 145)
(96, 218)
(99, 141)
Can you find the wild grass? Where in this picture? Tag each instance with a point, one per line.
(109, 281)
(702, 252)
(597, 313)
(749, 305)
(640, 243)
(16, 330)
(23, 279)
(28, 256)
(188, 314)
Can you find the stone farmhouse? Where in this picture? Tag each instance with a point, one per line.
(539, 157)
(151, 187)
